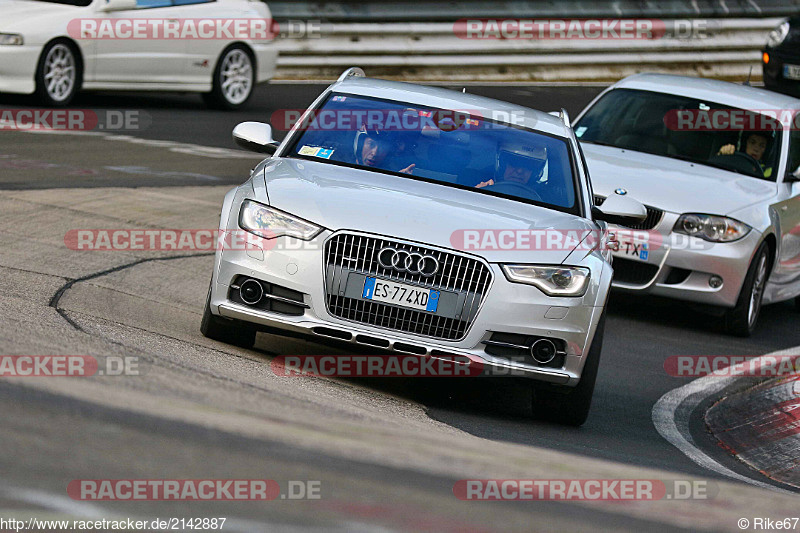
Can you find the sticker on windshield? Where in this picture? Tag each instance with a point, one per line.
(580, 131)
(309, 150)
(325, 153)
(339, 98)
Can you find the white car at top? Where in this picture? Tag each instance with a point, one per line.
(718, 166)
(56, 47)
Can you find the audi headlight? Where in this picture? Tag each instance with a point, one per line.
(551, 280)
(778, 35)
(11, 39)
(268, 222)
(711, 228)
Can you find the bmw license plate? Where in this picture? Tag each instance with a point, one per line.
(631, 248)
(402, 294)
(791, 72)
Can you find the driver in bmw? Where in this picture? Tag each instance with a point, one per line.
(755, 145)
(518, 163)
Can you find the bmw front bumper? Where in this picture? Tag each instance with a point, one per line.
(681, 267)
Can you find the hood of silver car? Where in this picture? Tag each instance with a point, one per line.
(344, 198)
(670, 184)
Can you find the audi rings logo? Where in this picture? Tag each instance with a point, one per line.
(411, 262)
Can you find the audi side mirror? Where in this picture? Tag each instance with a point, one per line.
(256, 137)
(620, 210)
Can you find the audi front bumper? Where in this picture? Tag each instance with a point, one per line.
(507, 309)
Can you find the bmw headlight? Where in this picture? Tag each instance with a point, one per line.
(778, 35)
(711, 228)
(11, 39)
(551, 280)
(269, 223)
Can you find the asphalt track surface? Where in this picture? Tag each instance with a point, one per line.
(386, 452)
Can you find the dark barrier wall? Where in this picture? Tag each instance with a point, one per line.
(418, 10)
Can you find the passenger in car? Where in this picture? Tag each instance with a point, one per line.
(371, 148)
(755, 145)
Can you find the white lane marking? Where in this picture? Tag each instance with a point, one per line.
(671, 418)
(53, 502)
(147, 171)
(172, 146)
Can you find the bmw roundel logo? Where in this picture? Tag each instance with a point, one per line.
(621, 191)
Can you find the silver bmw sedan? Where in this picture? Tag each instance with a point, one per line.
(717, 165)
(423, 221)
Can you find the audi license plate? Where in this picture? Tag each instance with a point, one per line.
(390, 292)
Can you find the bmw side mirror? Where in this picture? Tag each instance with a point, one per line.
(256, 137)
(620, 210)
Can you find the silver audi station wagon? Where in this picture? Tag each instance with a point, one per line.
(395, 216)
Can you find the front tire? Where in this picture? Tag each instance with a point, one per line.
(570, 405)
(227, 331)
(58, 74)
(741, 320)
(234, 79)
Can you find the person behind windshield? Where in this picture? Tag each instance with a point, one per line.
(517, 163)
(755, 145)
(372, 146)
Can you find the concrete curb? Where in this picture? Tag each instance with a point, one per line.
(760, 426)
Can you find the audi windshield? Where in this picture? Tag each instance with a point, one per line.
(707, 133)
(453, 148)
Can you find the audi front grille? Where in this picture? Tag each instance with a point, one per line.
(357, 254)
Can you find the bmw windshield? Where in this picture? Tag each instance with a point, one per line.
(453, 148)
(738, 140)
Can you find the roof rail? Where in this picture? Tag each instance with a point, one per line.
(352, 72)
(564, 116)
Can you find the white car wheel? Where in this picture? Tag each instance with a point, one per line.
(234, 79)
(58, 74)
